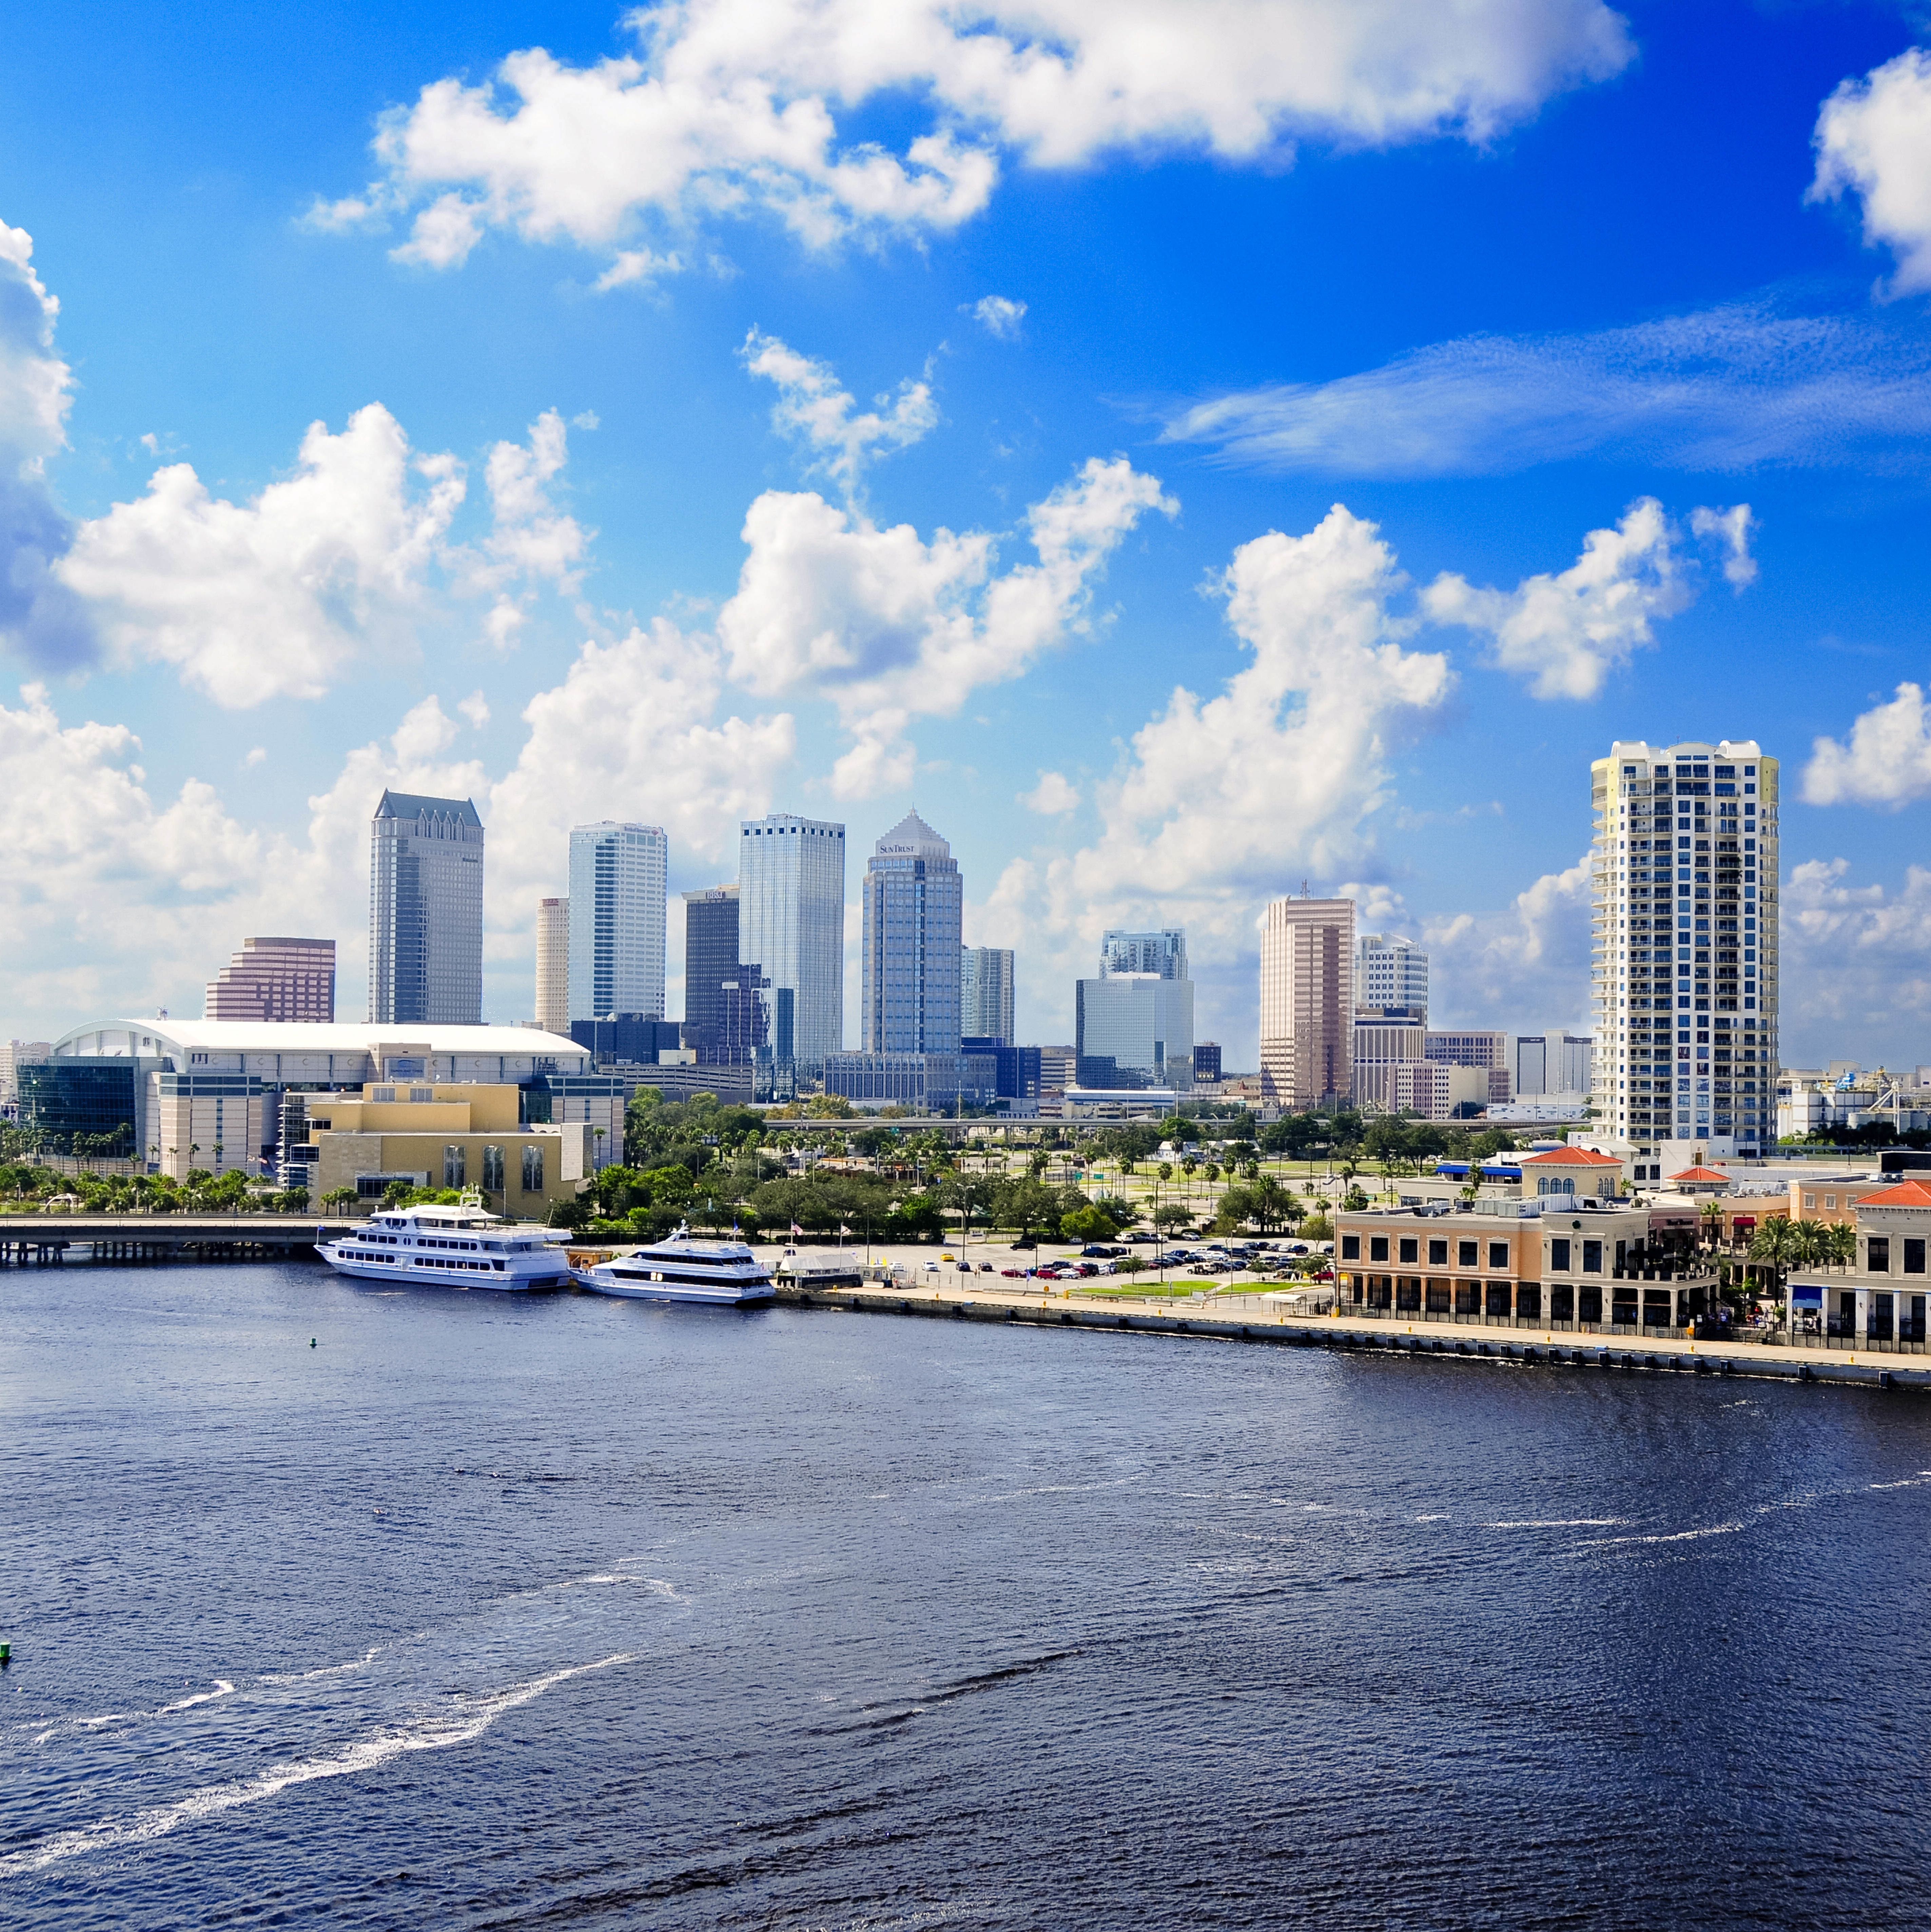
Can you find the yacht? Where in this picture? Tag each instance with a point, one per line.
(681, 1270)
(449, 1247)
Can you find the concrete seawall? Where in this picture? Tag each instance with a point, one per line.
(1210, 1322)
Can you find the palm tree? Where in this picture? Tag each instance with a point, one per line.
(1842, 1239)
(1774, 1247)
(1711, 1216)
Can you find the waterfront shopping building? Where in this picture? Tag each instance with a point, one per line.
(1684, 893)
(170, 1095)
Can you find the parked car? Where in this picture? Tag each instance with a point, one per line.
(1148, 1238)
(1025, 1241)
(984, 1267)
(929, 1267)
(1014, 1274)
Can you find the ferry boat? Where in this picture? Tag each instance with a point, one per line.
(681, 1270)
(447, 1247)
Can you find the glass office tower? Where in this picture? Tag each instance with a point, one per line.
(791, 927)
(914, 903)
(426, 911)
(616, 920)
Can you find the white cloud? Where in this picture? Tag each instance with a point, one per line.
(637, 265)
(1725, 389)
(1054, 794)
(476, 708)
(1855, 981)
(276, 597)
(530, 538)
(1730, 529)
(258, 756)
(1887, 762)
(37, 612)
(813, 407)
(1873, 140)
(999, 315)
(733, 105)
(1525, 967)
(889, 627)
(1566, 632)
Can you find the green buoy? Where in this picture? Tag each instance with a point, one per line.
(311, 1341)
(6, 1655)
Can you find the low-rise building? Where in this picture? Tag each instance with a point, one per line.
(462, 1136)
(1879, 1302)
(1572, 1171)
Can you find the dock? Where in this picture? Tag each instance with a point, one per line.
(1345, 1331)
(44, 1239)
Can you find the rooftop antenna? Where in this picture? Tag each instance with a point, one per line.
(1304, 892)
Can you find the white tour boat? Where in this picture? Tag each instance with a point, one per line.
(681, 1270)
(450, 1247)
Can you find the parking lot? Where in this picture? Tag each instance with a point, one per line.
(999, 1260)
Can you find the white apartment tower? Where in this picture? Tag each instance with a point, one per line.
(553, 966)
(986, 993)
(617, 919)
(1685, 899)
(791, 922)
(1307, 1002)
(1391, 976)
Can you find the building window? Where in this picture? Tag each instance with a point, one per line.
(1558, 1256)
(1437, 1254)
(1877, 1256)
(1411, 1250)
(1498, 1254)
(1350, 1247)
(493, 1169)
(454, 1166)
(532, 1170)
(1465, 1254)
(1914, 1255)
(1378, 1247)
(1592, 1257)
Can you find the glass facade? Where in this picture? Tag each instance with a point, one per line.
(791, 930)
(914, 905)
(426, 911)
(62, 1101)
(616, 920)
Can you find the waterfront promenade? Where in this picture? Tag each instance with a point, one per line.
(1248, 1317)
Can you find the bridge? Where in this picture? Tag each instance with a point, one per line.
(27, 1240)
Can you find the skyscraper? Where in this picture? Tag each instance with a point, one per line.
(275, 980)
(1163, 954)
(914, 902)
(1134, 1030)
(791, 927)
(426, 911)
(616, 920)
(1307, 1001)
(718, 1026)
(986, 993)
(553, 966)
(1685, 899)
(1391, 977)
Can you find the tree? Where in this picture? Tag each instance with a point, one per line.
(1353, 1201)
(1087, 1224)
(829, 1107)
(1171, 1216)
(1843, 1243)
(340, 1198)
(1024, 1205)
(1317, 1228)
(1773, 1248)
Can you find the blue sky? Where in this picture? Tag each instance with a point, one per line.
(1170, 450)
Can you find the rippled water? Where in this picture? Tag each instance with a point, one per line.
(492, 1612)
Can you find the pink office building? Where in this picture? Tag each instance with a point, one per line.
(276, 979)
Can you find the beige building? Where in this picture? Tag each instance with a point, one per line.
(1307, 1001)
(213, 1124)
(553, 966)
(1880, 1303)
(445, 1136)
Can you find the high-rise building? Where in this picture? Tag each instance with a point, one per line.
(1391, 977)
(617, 919)
(986, 993)
(791, 931)
(1307, 1001)
(1685, 902)
(553, 966)
(426, 911)
(1163, 954)
(1206, 1067)
(914, 902)
(1134, 1030)
(1553, 1062)
(275, 980)
(1382, 1047)
(725, 998)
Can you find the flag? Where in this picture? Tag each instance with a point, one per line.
(843, 1229)
(796, 1229)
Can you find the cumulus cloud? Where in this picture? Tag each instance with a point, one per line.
(735, 105)
(1532, 960)
(1854, 963)
(999, 315)
(1725, 389)
(38, 614)
(273, 598)
(813, 407)
(1887, 762)
(1054, 794)
(1565, 631)
(1873, 140)
(889, 627)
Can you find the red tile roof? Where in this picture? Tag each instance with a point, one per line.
(1705, 1175)
(1571, 1157)
(1906, 1194)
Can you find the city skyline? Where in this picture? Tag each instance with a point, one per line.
(581, 524)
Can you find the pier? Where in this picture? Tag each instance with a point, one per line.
(1223, 1319)
(30, 1240)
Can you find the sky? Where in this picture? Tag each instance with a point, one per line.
(1185, 451)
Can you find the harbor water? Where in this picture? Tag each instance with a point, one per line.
(493, 1611)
